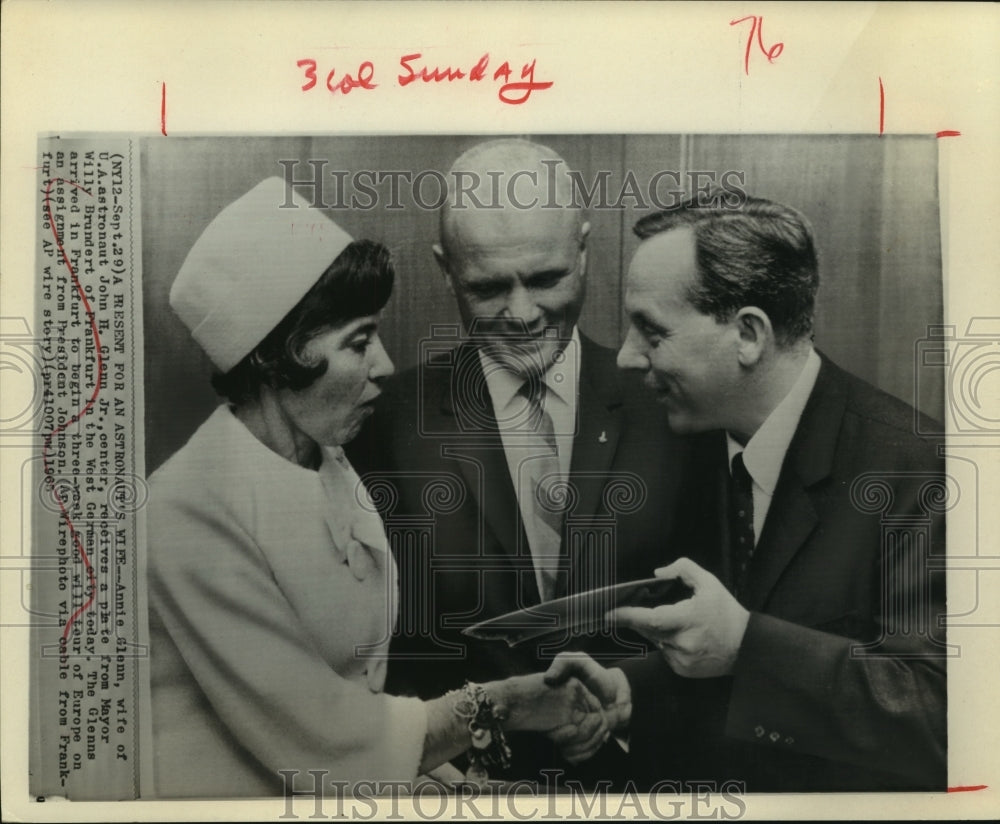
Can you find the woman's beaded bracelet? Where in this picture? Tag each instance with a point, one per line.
(489, 745)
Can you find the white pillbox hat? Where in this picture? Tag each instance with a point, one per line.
(250, 266)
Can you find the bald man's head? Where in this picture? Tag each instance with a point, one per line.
(507, 179)
(513, 245)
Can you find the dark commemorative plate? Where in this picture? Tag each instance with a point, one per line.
(580, 613)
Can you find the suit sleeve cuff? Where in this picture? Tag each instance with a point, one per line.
(779, 680)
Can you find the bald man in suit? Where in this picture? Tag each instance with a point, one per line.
(469, 422)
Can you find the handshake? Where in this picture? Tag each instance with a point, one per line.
(577, 703)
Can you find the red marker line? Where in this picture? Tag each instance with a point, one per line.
(948, 133)
(881, 108)
(970, 789)
(92, 581)
(163, 108)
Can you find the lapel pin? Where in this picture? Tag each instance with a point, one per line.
(603, 438)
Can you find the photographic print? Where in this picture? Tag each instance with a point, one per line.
(374, 461)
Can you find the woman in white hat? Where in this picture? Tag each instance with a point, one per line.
(272, 593)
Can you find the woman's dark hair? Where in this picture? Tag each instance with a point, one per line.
(357, 283)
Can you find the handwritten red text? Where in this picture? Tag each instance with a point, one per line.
(513, 92)
(515, 88)
(757, 28)
(361, 79)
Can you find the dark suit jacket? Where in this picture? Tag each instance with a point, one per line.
(433, 459)
(840, 681)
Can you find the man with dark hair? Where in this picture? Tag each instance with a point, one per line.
(536, 468)
(809, 656)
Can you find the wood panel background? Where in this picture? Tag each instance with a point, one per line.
(873, 204)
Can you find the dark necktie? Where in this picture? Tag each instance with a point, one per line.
(740, 522)
(546, 501)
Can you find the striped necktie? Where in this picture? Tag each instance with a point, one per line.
(547, 501)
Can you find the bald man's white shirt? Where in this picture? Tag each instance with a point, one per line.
(562, 382)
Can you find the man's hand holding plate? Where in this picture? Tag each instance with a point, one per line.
(699, 637)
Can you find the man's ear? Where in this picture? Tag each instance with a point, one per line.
(442, 262)
(756, 335)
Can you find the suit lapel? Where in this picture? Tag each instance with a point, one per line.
(483, 461)
(790, 520)
(595, 443)
(598, 424)
(792, 515)
(478, 449)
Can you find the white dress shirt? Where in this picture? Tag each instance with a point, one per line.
(765, 451)
(519, 441)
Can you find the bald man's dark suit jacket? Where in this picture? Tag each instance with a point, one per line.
(840, 680)
(433, 459)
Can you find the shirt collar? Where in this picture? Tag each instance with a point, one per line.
(560, 380)
(765, 451)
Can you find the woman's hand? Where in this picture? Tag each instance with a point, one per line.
(526, 702)
(610, 686)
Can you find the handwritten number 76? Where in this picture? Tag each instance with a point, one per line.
(757, 28)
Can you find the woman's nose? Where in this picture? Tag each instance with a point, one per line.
(382, 365)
